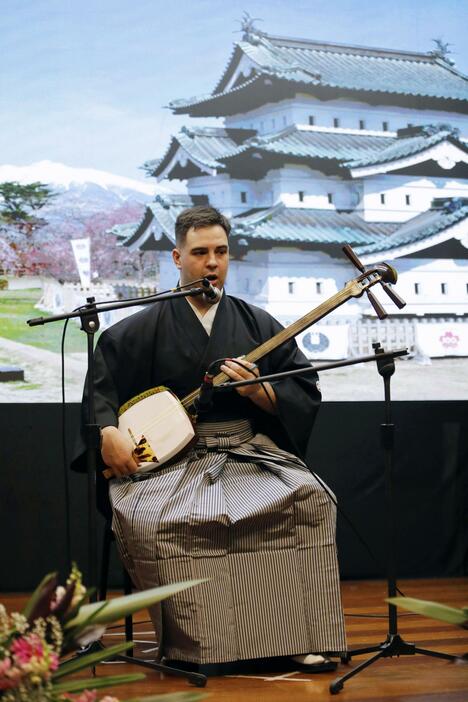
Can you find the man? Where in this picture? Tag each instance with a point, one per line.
(240, 507)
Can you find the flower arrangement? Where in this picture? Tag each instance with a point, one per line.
(35, 645)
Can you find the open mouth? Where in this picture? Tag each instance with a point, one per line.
(211, 277)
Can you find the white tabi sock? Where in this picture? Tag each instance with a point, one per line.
(309, 659)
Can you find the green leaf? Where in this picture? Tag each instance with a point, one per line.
(85, 621)
(79, 662)
(434, 610)
(37, 594)
(120, 607)
(73, 612)
(96, 683)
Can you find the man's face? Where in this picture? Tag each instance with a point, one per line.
(204, 254)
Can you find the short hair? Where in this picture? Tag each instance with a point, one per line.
(197, 217)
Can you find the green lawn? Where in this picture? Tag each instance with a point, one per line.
(16, 306)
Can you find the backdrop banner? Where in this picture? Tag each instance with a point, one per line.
(326, 341)
(442, 339)
(82, 252)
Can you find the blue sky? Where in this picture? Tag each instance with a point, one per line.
(84, 82)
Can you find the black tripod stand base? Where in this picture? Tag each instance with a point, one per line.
(394, 645)
(197, 679)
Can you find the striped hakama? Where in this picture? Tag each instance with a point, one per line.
(253, 520)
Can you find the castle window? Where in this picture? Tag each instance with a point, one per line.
(467, 288)
(408, 199)
(262, 126)
(443, 288)
(311, 120)
(285, 120)
(336, 122)
(330, 198)
(318, 288)
(243, 196)
(417, 288)
(301, 195)
(273, 123)
(291, 287)
(362, 124)
(382, 198)
(385, 126)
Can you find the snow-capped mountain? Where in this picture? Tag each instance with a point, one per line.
(86, 188)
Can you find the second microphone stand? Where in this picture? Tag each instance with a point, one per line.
(394, 644)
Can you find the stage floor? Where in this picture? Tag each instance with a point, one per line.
(406, 679)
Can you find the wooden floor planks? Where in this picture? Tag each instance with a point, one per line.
(414, 678)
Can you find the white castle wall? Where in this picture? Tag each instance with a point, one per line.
(442, 286)
(225, 193)
(273, 117)
(279, 185)
(395, 188)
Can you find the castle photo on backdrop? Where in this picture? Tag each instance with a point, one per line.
(310, 130)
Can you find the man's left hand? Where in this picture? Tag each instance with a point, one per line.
(255, 392)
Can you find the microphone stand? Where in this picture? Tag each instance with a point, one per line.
(394, 644)
(312, 369)
(89, 315)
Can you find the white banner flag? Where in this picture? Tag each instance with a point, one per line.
(82, 252)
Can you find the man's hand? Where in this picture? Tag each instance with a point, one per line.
(264, 396)
(117, 452)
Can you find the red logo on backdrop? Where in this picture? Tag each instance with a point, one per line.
(449, 340)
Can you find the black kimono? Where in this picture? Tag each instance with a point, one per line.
(240, 508)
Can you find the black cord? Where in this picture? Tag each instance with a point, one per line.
(64, 455)
(378, 616)
(120, 626)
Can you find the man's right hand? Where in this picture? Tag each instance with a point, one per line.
(117, 452)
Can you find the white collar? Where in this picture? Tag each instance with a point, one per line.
(206, 317)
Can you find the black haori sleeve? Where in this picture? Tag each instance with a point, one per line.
(105, 399)
(122, 369)
(298, 398)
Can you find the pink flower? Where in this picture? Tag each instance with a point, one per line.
(9, 675)
(53, 661)
(86, 696)
(27, 647)
(5, 666)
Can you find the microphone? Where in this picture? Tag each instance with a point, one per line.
(211, 293)
(205, 395)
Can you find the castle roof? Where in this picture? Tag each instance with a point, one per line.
(244, 154)
(267, 68)
(307, 227)
(261, 228)
(445, 220)
(318, 229)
